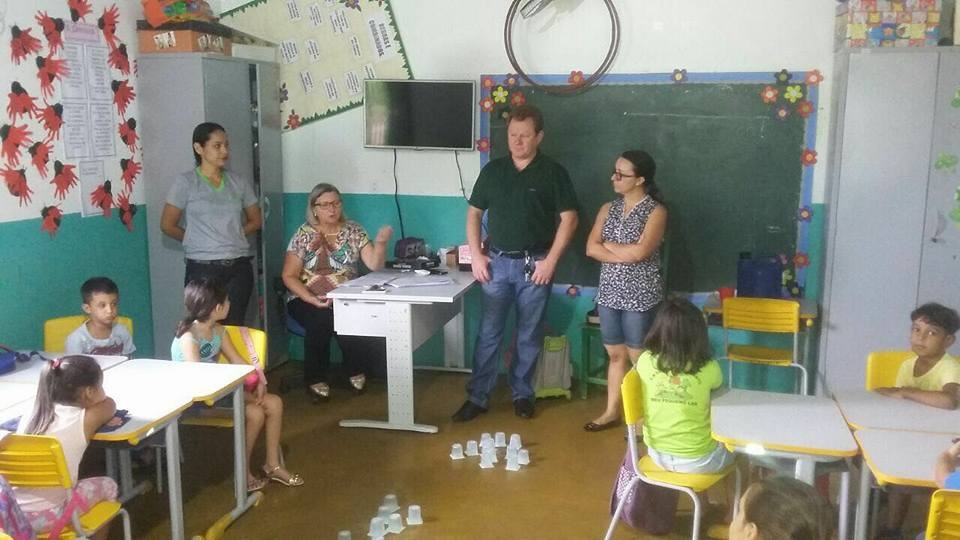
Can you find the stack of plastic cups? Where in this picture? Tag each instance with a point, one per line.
(487, 458)
(500, 439)
(377, 528)
(472, 449)
(523, 456)
(456, 451)
(515, 441)
(486, 443)
(512, 462)
(414, 515)
(390, 501)
(383, 512)
(395, 524)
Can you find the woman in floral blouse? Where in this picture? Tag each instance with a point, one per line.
(323, 253)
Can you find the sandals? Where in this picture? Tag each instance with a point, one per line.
(291, 480)
(320, 391)
(357, 382)
(256, 484)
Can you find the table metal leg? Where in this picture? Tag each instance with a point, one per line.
(399, 374)
(863, 503)
(844, 504)
(172, 438)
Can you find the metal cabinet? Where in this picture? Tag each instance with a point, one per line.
(177, 92)
(886, 202)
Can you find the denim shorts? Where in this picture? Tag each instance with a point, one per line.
(619, 327)
(717, 460)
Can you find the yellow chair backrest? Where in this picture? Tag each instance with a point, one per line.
(632, 391)
(882, 367)
(761, 315)
(259, 339)
(55, 331)
(943, 521)
(34, 461)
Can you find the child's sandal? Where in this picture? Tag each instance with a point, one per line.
(291, 480)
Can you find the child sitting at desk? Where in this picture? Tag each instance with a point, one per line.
(70, 406)
(101, 333)
(931, 378)
(201, 338)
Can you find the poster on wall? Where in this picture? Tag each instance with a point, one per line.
(68, 140)
(326, 49)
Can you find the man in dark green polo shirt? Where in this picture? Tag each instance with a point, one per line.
(531, 217)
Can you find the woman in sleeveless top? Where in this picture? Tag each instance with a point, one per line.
(626, 240)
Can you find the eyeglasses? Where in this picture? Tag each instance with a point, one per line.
(329, 205)
(620, 176)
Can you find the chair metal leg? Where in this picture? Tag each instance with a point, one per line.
(125, 516)
(619, 510)
(696, 516)
(844, 504)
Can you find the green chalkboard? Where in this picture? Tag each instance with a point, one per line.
(729, 169)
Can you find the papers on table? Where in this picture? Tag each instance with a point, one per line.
(399, 281)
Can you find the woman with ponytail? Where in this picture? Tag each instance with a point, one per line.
(70, 406)
(626, 239)
(201, 338)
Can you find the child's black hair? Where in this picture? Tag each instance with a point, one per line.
(938, 315)
(61, 381)
(95, 285)
(679, 337)
(200, 297)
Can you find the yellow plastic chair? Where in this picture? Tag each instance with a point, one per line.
(647, 471)
(882, 368)
(943, 520)
(37, 461)
(55, 331)
(763, 315)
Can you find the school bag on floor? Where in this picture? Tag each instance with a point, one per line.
(649, 508)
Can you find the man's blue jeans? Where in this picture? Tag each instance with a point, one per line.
(507, 286)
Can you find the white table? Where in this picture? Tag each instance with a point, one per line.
(803, 428)
(406, 317)
(864, 409)
(29, 372)
(155, 393)
(903, 458)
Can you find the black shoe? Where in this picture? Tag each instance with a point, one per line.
(468, 411)
(523, 408)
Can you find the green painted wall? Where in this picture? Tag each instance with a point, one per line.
(40, 276)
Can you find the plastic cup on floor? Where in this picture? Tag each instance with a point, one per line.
(472, 448)
(395, 524)
(523, 456)
(377, 527)
(456, 451)
(487, 459)
(414, 515)
(484, 437)
(343, 535)
(512, 461)
(500, 440)
(383, 512)
(390, 501)
(515, 441)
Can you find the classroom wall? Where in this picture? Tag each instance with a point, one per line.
(41, 273)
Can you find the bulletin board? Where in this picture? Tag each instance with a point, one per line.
(734, 152)
(326, 48)
(69, 133)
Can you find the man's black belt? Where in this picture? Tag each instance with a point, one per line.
(220, 262)
(519, 254)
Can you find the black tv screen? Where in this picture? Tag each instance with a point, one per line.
(418, 114)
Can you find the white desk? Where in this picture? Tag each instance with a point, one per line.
(407, 317)
(803, 428)
(155, 393)
(864, 409)
(29, 372)
(903, 458)
(12, 394)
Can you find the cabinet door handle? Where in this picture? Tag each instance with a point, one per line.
(265, 206)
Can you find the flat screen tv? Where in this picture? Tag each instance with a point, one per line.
(419, 114)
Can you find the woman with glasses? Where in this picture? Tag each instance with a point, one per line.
(219, 210)
(323, 253)
(626, 240)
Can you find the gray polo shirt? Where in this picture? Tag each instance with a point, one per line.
(213, 218)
